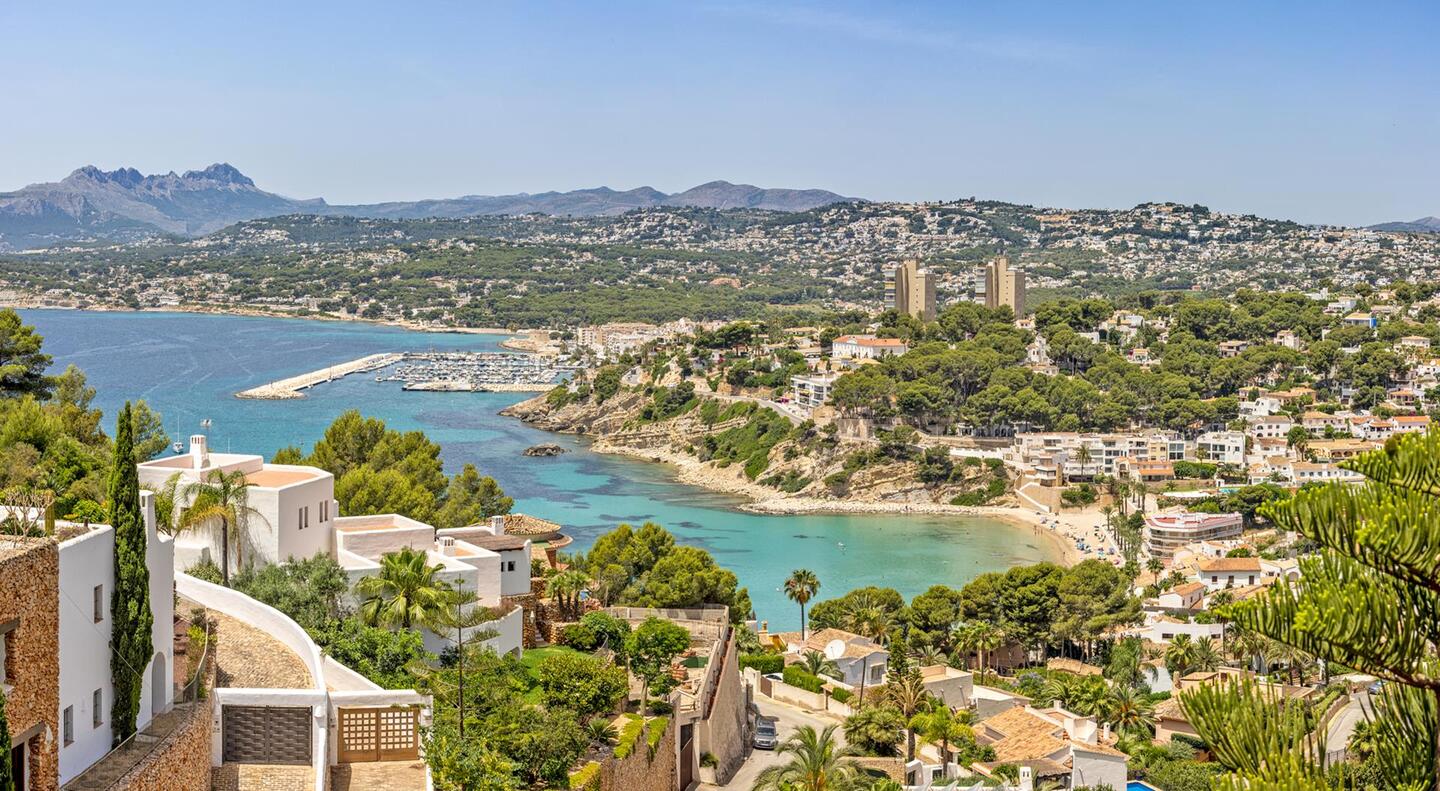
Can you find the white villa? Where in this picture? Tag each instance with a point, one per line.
(297, 517)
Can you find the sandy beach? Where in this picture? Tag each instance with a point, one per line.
(1063, 531)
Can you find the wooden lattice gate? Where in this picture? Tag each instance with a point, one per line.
(389, 734)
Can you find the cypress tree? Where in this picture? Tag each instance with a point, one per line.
(7, 782)
(130, 616)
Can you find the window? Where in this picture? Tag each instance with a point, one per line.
(68, 726)
(324, 510)
(509, 565)
(97, 705)
(304, 516)
(98, 600)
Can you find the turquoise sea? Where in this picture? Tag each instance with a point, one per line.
(189, 366)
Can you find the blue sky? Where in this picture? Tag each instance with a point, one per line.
(1315, 111)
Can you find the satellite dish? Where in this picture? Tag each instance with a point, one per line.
(834, 649)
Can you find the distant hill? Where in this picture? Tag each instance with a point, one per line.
(93, 204)
(1422, 225)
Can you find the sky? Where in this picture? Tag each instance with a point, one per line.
(1314, 111)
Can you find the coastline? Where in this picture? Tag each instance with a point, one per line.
(1060, 532)
(260, 313)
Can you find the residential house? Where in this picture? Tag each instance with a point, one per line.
(1221, 447)
(812, 390)
(1055, 744)
(1289, 340)
(1317, 422)
(856, 347)
(1361, 320)
(854, 656)
(55, 629)
(1221, 573)
(1270, 427)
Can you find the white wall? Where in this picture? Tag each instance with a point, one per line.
(86, 561)
(1093, 769)
(516, 582)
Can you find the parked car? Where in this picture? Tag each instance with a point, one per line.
(766, 736)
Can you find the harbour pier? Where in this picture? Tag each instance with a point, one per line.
(293, 386)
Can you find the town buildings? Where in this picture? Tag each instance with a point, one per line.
(911, 289)
(1168, 531)
(1005, 286)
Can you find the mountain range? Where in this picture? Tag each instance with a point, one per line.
(94, 204)
(1422, 225)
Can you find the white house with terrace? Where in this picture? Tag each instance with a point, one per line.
(296, 516)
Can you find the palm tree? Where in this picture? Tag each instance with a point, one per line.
(907, 693)
(1180, 656)
(1128, 712)
(1207, 656)
(868, 619)
(929, 655)
(406, 592)
(983, 638)
(817, 664)
(565, 589)
(800, 588)
(224, 496)
(940, 726)
(165, 501)
(815, 762)
(1155, 566)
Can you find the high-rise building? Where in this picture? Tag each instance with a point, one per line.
(910, 289)
(1005, 286)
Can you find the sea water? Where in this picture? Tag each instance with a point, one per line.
(189, 366)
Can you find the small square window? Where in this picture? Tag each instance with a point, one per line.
(68, 725)
(97, 707)
(98, 601)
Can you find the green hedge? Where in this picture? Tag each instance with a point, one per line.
(765, 663)
(629, 734)
(655, 731)
(586, 778)
(841, 694)
(796, 676)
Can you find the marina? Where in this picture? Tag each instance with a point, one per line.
(483, 372)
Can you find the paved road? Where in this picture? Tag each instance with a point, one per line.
(788, 718)
(1344, 722)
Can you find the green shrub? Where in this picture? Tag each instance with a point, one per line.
(586, 778)
(578, 636)
(765, 663)
(841, 694)
(625, 744)
(796, 676)
(655, 731)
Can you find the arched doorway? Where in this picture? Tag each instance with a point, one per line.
(158, 682)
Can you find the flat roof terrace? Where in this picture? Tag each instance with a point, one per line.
(277, 478)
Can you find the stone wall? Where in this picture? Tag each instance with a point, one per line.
(181, 762)
(725, 730)
(30, 611)
(639, 771)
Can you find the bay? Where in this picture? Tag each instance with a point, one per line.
(189, 366)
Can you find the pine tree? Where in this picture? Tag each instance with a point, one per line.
(130, 615)
(1370, 600)
(7, 781)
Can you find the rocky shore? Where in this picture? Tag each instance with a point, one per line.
(604, 424)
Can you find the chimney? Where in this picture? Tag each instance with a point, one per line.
(1105, 732)
(447, 546)
(497, 525)
(199, 454)
(1027, 779)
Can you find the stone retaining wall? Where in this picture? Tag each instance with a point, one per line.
(640, 771)
(181, 762)
(29, 610)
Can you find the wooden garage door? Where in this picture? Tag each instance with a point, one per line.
(389, 734)
(266, 734)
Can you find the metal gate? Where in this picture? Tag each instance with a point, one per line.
(389, 734)
(266, 734)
